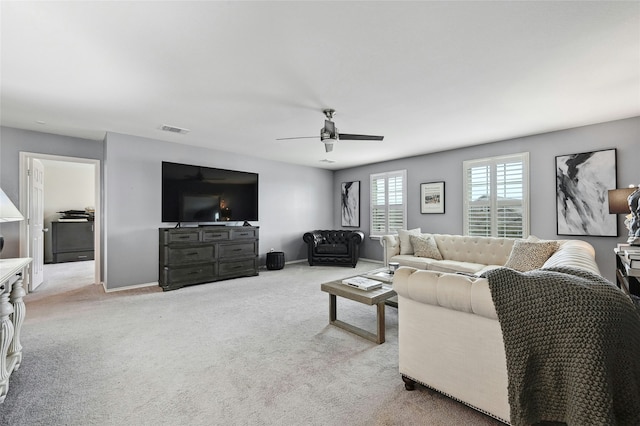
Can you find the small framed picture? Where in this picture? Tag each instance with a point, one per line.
(432, 197)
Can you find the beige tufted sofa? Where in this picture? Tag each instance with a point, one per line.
(449, 335)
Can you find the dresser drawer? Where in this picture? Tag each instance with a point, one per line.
(195, 274)
(238, 267)
(215, 235)
(187, 236)
(73, 256)
(239, 234)
(177, 256)
(237, 250)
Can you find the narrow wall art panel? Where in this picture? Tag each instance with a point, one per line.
(582, 182)
(350, 202)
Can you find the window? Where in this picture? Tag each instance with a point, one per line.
(388, 202)
(496, 196)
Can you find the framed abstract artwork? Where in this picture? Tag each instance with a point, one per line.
(582, 184)
(432, 197)
(350, 203)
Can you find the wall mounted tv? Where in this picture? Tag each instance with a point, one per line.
(203, 194)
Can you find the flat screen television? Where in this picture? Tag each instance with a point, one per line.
(201, 194)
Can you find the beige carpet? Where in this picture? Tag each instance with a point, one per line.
(249, 351)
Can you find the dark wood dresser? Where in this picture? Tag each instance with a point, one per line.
(72, 241)
(206, 254)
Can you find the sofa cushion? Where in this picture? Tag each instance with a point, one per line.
(405, 241)
(527, 256)
(412, 261)
(332, 249)
(465, 248)
(453, 266)
(425, 246)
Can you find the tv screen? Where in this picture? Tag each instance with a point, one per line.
(204, 194)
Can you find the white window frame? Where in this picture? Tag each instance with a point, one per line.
(493, 202)
(385, 207)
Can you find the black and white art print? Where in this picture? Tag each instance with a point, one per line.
(582, 182)
(350, 202)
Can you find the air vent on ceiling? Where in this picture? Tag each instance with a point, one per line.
(326, 160)
(174, 129)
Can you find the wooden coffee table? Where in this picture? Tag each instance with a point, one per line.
(372, 297)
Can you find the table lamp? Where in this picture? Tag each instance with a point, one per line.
(8, 213)
(620, 203)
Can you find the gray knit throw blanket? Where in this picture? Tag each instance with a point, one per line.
(572, 342)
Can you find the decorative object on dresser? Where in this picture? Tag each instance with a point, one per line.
(206, 254)
(634, 225)
(12, 313)
(333, 247)
(8, 213)
(72, 241)
(77, 215)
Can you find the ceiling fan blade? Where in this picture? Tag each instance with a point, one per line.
(350, 137)
(298, 137)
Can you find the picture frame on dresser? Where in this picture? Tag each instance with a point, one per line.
(432, 198)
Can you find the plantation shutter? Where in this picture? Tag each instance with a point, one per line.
(388, 202)
(496, 196)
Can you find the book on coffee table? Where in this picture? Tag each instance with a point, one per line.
(381, 274)
(362, 283)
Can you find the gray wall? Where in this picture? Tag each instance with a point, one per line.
(624, 135)
(296, 199)
(12, 142)
(293, 200)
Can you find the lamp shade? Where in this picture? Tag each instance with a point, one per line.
(618, 203)
(8, 212)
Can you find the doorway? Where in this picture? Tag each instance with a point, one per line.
(30, 203)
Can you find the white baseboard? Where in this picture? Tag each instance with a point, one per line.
(129, 287)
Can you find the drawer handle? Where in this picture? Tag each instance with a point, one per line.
(192, 254)
(82, 257)
(194, 272)
(238, 249)
(183, 237)
(244, 234)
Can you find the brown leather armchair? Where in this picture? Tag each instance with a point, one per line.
(333, 247)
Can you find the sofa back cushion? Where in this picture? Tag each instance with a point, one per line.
(425, 246)
(529, 255)
(404, 235)
(483, 250)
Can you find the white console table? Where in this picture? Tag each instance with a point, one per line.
(12, 311)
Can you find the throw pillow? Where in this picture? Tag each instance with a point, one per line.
(527, 256)
(405, 241)
(425, 246)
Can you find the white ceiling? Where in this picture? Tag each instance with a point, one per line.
(429, 76)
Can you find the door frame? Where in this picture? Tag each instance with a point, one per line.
(24, 202)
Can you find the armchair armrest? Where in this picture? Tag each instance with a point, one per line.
(313, 238)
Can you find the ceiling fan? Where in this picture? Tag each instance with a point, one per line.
(329, 133)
